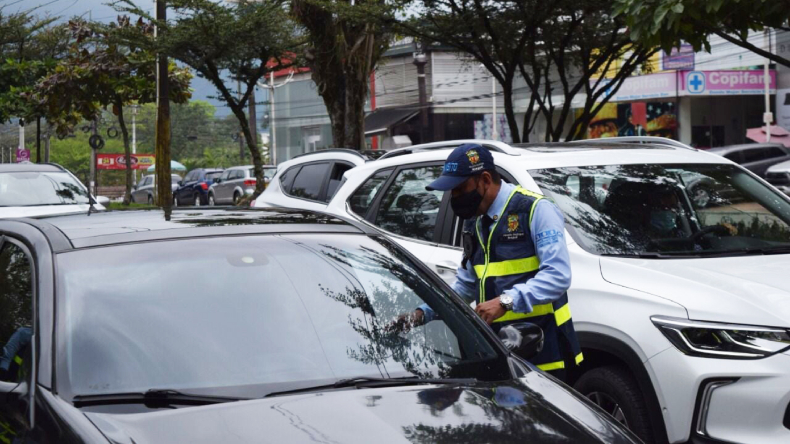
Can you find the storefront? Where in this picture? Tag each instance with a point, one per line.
(701, 108)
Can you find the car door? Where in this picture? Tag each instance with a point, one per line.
(408, 212)
(221, 188)
(140, 195)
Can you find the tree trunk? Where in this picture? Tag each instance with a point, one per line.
(356, 94)
(255, 154)
(510, 113)
(164, 189)
(127, 154)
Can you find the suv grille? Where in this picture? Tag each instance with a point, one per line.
(777, 178)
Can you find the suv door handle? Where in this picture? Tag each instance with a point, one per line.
(444, 268)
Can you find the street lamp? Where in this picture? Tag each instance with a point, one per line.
(420, 60)
(272, 134)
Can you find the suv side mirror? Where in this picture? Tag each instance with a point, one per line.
(217, 180)
(524, 339)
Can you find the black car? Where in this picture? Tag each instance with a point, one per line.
(123, 329)
(193, 190)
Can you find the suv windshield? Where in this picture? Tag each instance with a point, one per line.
(25, 189)
(238, 316)
(696, 209)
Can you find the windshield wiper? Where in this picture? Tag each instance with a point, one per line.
(367, 382)
(151, 398)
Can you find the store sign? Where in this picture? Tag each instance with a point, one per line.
(709, 83)
(652, 86)
(678, 59)
(118, 161)
(22, 155)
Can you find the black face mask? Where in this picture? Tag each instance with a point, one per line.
(465, 206)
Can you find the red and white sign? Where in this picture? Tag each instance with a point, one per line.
(733, 82)
(118, 161)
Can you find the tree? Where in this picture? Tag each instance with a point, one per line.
(345, 40)
(102, 71)
(230, 43)
(667, 23)
(561, 48)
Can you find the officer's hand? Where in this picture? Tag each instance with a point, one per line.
(406, 321)
(490, 310)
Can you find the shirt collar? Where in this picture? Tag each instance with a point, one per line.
(501, 200)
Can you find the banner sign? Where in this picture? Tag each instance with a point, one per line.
(118, 161)
(22, 155)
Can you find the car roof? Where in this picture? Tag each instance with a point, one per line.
(120, 227)
(29, 167)
(746, 146)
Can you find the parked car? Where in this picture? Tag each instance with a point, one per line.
(32, 189)
(243, 345)
(145, 191)
(309, 180)
(779, 176)
(193, 189)
(684, 336)
(236, 182)
(755, 157)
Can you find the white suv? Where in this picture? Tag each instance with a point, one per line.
(683, 327)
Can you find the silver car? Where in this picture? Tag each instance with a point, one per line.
(145, 190)
(235, 183)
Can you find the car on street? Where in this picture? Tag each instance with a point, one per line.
(193, 189)
(755, 157)
(235, 183)
(779, 176)
(31, 189)
(681, 304)
(288, 331)
(310, 180)
(145, 191)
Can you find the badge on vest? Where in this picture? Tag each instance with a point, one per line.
(513, 233)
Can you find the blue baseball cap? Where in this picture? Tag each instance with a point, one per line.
(469, 159)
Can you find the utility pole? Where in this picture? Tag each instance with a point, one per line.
(253, 120)
(272, 135)
(134, 139)
(163, 181)
(94, 186)
(38, 139)
(241, 133)
(420, 60)
(768, 116)
(21, 135)
(493, 107)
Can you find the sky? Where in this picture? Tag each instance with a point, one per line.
(100, 10)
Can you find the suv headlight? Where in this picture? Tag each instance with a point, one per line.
(724, 341)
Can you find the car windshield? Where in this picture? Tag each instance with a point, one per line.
(25, 189)
(696, 209)
(213, 175)
(175, 179)
(238, 316)
(268, 173)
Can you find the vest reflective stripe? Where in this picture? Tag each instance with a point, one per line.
(549, 366)
(537, 310)
(506, 268)
(563, 314)
(579, 358)
(18, 360)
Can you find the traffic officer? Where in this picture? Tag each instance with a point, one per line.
(516, 264)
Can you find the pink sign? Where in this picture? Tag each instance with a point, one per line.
(22, 155)
(731, 82)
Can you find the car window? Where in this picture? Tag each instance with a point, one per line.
(735, 157)
(146, 181)
(20, 189)
(307, 183)
(190, 176)
(210, 176)
(754, 154)
(407, 208)
(287, 177)
(225, 175)
(363, 197)
(268, 173)
(683, 209)
(235, 305)
(16, 312)
(175, 178)
(774, 152)
(335, 178)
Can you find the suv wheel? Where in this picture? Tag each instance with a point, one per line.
(196, 199)
(211, 202)
(236, 197)
(614, 390)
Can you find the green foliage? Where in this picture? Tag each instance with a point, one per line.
(668, 23)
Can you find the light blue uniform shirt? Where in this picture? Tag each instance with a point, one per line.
(554, 275)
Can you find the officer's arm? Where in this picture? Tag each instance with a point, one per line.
(554, 275)
(465, 285)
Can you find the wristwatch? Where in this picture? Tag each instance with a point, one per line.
(506, 302)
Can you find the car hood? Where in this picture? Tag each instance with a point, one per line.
(45, 210)
(783, 167)
(547, 412)
(750, 290)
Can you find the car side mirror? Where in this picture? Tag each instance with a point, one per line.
(217, 180)
(103, 200)
(134, 187)
(180, 183)
(524, 339)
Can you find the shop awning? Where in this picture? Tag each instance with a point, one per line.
(380, 120)
(778, 135)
